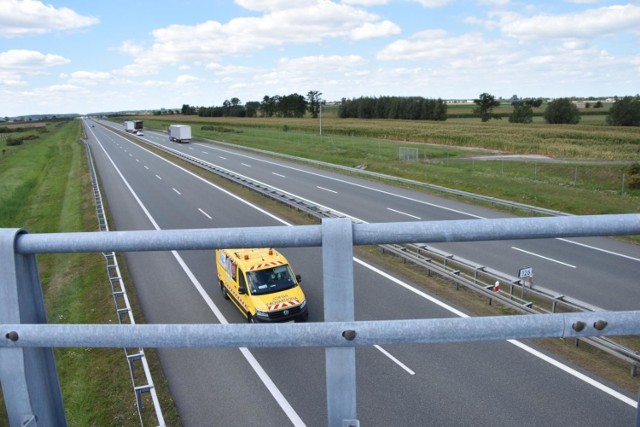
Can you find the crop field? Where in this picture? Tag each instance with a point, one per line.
(579, 169)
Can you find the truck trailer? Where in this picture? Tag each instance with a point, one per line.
(180, 133)
(129, 126)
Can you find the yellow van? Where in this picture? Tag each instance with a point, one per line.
(261, 284)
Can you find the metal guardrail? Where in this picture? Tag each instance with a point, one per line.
(444, 264)
(135, 356)
(27, 370)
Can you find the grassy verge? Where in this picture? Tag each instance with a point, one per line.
(574, 186)
(45, 187)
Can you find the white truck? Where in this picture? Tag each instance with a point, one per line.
(180, 133)
(129, 126)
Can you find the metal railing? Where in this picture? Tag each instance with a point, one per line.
(27, 370)
(136, 357)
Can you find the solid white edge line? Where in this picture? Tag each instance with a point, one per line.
(264, 377)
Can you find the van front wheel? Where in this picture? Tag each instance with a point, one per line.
(225, 295)
(250, 318)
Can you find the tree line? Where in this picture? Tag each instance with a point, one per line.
(624, 111)
(293, 105)
(393, 107)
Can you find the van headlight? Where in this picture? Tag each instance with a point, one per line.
(262, 313)
(303, 304)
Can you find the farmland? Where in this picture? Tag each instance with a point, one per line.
(579, 169)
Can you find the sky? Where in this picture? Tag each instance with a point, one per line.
(80, 56)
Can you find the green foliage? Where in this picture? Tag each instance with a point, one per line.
(12, 142)
(634, 176)
(625, 112)
(486, 103)
(217, 128)
(562, 111)
(314, 102)
(393, 107)
(522, 112)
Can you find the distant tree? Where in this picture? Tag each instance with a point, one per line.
(562, 111)
(314, 102)
(537, 102)
(598, 104)
(625, 112)
(188, 110)
(252, 108)
(486, 103)
(522, 112)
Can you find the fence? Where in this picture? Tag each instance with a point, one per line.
(27, 370)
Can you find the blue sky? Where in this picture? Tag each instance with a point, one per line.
(82, 56)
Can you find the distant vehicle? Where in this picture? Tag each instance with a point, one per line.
(140, 133)
(133, 126)
(180, 133)
(93, 126)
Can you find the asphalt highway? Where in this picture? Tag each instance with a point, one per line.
(496, 384)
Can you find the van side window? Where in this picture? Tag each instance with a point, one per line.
(241, 281)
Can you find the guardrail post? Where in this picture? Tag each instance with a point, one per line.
(28, 375)
(337, 270)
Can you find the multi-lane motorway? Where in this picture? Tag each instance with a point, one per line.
(503, 383)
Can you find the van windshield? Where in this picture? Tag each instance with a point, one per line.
(271, 280)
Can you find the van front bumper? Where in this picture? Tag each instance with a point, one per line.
(295, 314)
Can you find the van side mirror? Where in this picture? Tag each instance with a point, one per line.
(242, 291)
(298, 278)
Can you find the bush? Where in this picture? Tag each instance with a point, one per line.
(625, 112)
(562, 111)
(12, 142)
(634, 182)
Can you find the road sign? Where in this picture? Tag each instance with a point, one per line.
(525, 272)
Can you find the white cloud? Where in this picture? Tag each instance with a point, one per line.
(16, 63)
(89, 77)
(587, 24)
(322, 63)
(365, 2)
(370, 30)
(31, 17)
(186, 78)
(273, 5)
(433, 3)
(283, 23)
(130, 47)
(438, 45)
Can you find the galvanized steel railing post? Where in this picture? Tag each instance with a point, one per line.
(28, 375)
(337, 268)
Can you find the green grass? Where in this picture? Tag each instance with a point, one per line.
(45, 187)
(576, 186)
